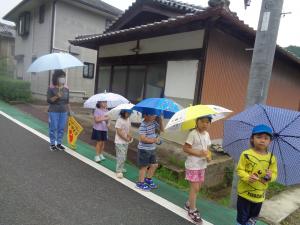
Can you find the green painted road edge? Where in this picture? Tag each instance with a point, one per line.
(212, 212)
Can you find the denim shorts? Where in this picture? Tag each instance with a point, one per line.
(146, 157)
(99, 135)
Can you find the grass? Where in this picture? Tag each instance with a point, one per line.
(274, 189)
(219, 193)
(174, 161)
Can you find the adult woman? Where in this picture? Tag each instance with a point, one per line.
(58, 99)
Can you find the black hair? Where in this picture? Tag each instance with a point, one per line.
(98, 105)
(202, 117)
(252, 136)
(57, 74)
(122, 114)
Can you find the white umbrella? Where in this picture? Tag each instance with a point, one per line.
(135, 116)
(185, 118)
(112, 100)
(54, 61)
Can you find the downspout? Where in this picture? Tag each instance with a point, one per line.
(52, 35)
(96, 88)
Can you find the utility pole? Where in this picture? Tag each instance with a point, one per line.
(262, 61)
(264, 50)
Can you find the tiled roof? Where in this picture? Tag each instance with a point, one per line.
(201, 14)
(227, 16)
(178, 5)
(7, 30)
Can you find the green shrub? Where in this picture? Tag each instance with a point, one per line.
(14, 90)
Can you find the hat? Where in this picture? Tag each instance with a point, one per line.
(262, 128)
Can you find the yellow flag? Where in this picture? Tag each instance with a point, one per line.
(74, 129)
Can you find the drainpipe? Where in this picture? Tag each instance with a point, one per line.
(52, 35)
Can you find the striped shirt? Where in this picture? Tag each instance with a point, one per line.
(148, 129)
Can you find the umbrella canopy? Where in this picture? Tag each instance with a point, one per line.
(54, 61)
(185, 119)
(112, 100)
(286, 137)
(157, 106)
(135, 117)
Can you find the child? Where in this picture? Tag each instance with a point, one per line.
(256, 168)
(196, 146)
(100, 129)
(146, 151)
(122, 138)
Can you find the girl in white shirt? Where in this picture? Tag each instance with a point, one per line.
(122, 139)
(196, 146)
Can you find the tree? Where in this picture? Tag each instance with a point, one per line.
(294, 49)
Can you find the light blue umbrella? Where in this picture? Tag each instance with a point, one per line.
(286, 137)
(54, 61)
(158, 106)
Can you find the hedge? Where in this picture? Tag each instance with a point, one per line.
(14, 90)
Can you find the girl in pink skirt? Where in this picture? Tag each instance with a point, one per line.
(196, 146)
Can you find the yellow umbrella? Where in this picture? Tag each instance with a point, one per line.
(185, 119)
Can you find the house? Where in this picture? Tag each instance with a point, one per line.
(45, 26)
(7, 46)
(187, 53)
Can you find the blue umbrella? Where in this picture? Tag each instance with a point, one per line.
(157, 106)
(286, 141)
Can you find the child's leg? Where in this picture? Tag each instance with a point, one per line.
(142, 173)
(152, 170)
(243, 210)
(153, 164)
(194, 189)
(121, 152)
(254, 211)
(101, 147)
(98, 147)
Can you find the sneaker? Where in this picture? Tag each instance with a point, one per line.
(53, 148)
(186, 206)
(195, 216)
(97, 158)
(142, 186)
(251, 221)
(150, 183)
(119, 175)
(60, 147)
(102, 157)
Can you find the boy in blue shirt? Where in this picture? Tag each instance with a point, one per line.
(146, 151)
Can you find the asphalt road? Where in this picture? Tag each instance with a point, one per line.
(40, 187)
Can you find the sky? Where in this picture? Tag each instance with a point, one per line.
(289, 33)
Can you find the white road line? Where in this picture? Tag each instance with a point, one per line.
(155, 198)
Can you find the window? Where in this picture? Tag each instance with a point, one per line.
(24, 24)
(119, 80)
(136, 80)
(88, 70)
(155, 83)
(42, 14)
(104, 78)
